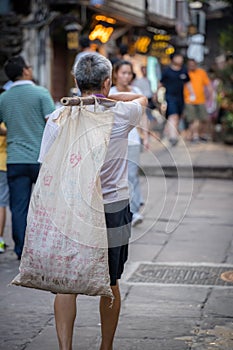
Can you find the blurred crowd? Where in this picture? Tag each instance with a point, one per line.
(185, 99)
(188, 100)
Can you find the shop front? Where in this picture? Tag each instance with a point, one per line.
(107, 23)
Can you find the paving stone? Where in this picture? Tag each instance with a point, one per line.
(153, 317)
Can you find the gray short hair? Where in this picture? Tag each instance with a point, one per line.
(91, 70)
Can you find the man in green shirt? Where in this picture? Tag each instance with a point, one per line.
(23, 109)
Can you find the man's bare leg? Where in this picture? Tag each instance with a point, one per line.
(194, 127)
(65, 313)
(173, 121)
(2, 220)
(205, 131)
(171, 128)
(109, 318)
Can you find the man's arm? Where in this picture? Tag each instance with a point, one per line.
(143, 101)
(129, 96)
(210, 90)
(192, 95)
(47, 103)
(144, 131)
(208, 85)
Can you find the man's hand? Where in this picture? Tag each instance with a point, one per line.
(2, 131)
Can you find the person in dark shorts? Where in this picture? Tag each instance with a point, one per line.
(173, 79)
(93, 75)
(195, 109)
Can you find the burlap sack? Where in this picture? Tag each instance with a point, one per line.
(65, 248)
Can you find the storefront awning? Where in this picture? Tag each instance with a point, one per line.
(122, 11)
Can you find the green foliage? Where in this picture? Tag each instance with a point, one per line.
(227, 1)
(229, 120)
(225, 39)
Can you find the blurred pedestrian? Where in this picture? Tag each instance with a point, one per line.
(122, 78)
(93, 74)
(85, 48)
(212, 102)
(23, 109)
(120, 51)
(144, 85)
(195, 109)
(4, 190)
(174, 78)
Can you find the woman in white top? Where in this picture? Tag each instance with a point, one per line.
(122, 78)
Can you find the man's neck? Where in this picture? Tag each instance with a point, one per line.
(123, 88)
(95, 93)
(175, 67)
(22, 78)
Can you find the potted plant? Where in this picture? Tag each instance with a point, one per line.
(226, 102)
(228, 128)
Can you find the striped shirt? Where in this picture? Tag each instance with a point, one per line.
(23, 109)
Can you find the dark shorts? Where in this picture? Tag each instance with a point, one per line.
(195, 112)
(118, 221)
(174, 106)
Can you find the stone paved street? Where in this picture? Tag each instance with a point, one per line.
(188, 222)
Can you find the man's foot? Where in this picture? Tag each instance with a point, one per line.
(204, 139)
(165, 142)
(2, 246)
(173, 142)
(195, 140)
(137, 219)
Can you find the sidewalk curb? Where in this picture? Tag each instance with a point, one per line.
(225, 172)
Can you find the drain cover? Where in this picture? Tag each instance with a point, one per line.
(207, 275)
(227, 276)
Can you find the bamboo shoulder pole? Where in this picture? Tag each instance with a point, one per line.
(90, 100)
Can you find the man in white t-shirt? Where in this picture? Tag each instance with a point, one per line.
(93, 75)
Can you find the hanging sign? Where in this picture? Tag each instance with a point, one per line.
(103, 28)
